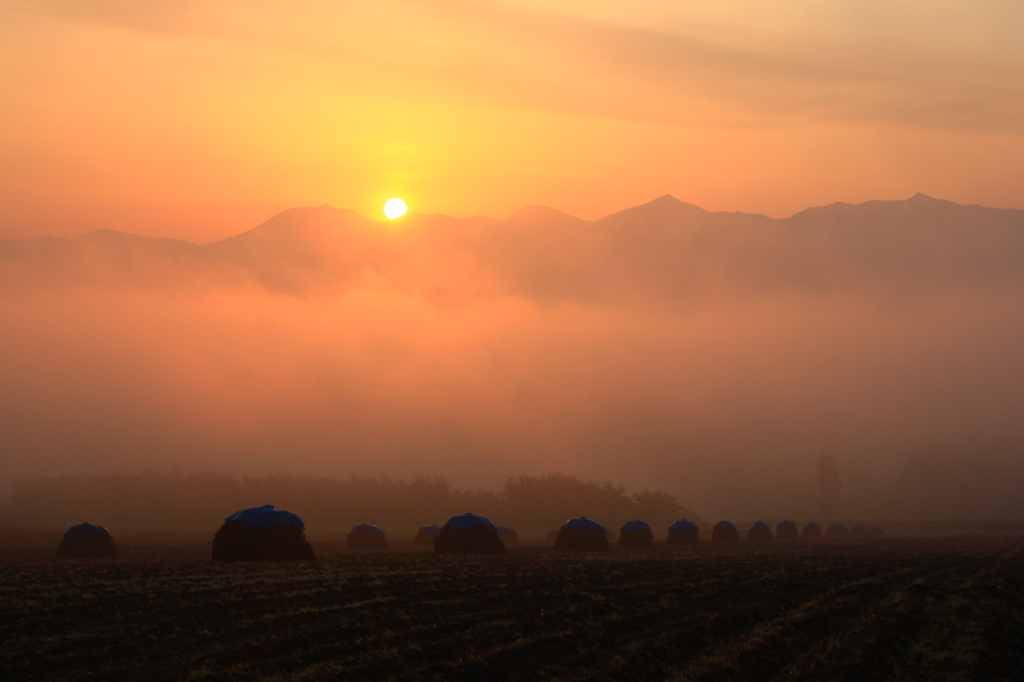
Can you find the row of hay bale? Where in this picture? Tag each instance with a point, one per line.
(269, 534)
(760, 531)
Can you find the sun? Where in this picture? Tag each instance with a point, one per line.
(395, 208)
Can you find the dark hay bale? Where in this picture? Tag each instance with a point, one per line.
(858, 531)
(479, 540)
(235, 541)
(725, 532)
(509, 537)
(837, 531)
(786, 530)
(284, 543)
(361, 538)
(760, 532)
(682, 537)
(635, 534)
(425, 536)
(683, 532)
(553, 535)
(875, 531)
(811, 531)
(93, 548)
(590, 539)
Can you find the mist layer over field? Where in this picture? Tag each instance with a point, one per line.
(684, 365)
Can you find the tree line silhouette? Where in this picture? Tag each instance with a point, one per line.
(152, 499)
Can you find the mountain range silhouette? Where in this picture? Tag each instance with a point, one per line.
(665, 250)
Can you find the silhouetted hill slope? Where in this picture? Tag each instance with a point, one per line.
(662, 250)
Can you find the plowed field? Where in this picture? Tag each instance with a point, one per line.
(871, 610)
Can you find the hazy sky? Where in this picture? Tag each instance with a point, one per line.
(201, 119)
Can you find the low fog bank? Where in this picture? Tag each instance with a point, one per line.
(150, 500)
(725, 403)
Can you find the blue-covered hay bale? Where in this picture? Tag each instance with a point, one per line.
(636, 534)
(875, 531)
(858, 531)
(724, 531)
(426, 534)
(837, 530)
(509, 536)
(682, 532)
(468, 534)
(786, 530)
(262, 534)
(760, 532)
(812, 531)
(367, 536)
(582, 534)
(87, 540)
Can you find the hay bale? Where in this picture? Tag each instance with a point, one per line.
(682, 532)
(812, 531)
(87, 540)
(236, 541)
(509, 536)
(875, 531)
(858, 531)
(635, 534)
(581, 534)
(786, 530)
(284, 543)
(262, 534)
(366, 536)
(837, 530)
(468, 534)
(426, 534)
(724, 532)
(760, 532)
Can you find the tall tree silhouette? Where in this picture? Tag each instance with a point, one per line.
(826, 479)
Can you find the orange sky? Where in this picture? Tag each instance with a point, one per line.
(201, 119)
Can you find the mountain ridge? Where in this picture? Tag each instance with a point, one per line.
(665, 249)
(665, 202)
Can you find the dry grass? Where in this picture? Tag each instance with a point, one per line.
(888, 609)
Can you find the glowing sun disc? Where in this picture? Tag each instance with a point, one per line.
(395, 208)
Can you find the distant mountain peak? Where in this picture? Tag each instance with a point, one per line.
(665, 206)
(534, 213)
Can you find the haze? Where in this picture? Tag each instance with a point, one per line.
(712, 355)
(684, 246)
(198, 120)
